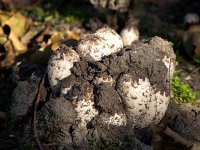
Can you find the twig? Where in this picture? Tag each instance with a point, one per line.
(35, 112)
(177, 137)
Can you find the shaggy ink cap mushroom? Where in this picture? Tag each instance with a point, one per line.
(59, 66)
(191, 18)
(142, 101)
(129, 34)
(115, 5)
(111, 37)
(103, 42)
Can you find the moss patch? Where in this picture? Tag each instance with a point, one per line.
(182, 92)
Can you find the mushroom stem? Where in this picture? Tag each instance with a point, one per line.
(112, 19)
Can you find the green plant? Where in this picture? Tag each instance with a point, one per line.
(182, 92)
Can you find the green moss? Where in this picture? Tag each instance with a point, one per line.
(182, 92)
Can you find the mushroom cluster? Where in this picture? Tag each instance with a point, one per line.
(110, 87)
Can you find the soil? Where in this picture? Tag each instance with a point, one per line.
(184, 119)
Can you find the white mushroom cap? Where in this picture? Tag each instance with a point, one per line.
(143, 103)
(113, 39)
(102, 43)
(59, 65)
(191, 18)
(116, 5)
(93, 48)
(129, 34)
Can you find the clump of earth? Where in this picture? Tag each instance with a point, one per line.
(102, 103)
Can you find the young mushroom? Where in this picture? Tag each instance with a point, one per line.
(129, 34)
(103, 42)
(191, 18)
(59, 66)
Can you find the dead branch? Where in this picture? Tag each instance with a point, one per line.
(35, 112)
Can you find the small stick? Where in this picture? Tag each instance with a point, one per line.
(35, 112)
(177, 137)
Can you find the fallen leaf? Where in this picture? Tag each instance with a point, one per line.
(18, 46)
(18, 24)
(55, 40)
(55, 37)
(4, 16)
(73, 35)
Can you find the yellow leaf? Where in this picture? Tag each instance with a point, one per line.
(55, 46)
(4, 17)
(73, 35)
(55, 37)
(3, 40)
(18, 46)
(18, 24)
